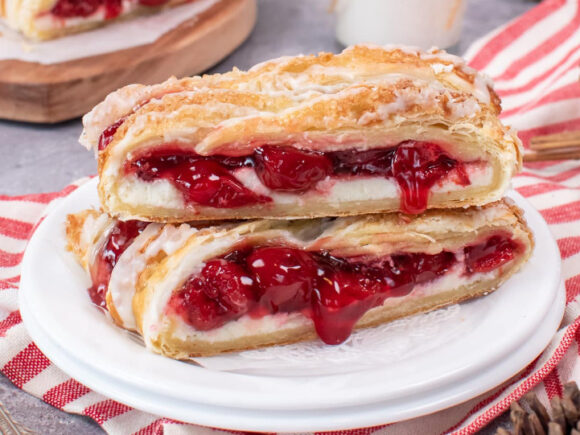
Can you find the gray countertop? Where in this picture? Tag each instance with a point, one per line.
(43, 158)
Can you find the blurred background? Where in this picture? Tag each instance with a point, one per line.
(41, 157)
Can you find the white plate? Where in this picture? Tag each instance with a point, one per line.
(298, 421)
(496, 337)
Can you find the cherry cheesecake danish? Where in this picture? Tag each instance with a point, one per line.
(236, 286)
(370, 130)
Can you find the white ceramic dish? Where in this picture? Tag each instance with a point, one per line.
(498, 335)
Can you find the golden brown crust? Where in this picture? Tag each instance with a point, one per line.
(73, 228)
(84, 233)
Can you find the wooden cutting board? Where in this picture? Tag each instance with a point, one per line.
(51, 93)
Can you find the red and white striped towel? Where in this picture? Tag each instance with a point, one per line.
(534, 61)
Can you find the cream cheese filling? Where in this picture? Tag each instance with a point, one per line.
(161, 192)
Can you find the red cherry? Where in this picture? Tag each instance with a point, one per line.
(222, 292)
(485, 257)
(106, 136)
(208, 183)
(411, 269)
(120, 237)
(208, 180)
(75, 8)
(199, 310)
(288, 169)
(429, 267)
(228, 283)
(340, 288)
(370, 162)
(284, 277)
(333, 291)
(202, 180)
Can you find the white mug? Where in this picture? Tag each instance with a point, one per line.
(421, 23)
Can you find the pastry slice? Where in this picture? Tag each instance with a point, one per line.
(370, 130)
(241, 286)
(49, 19)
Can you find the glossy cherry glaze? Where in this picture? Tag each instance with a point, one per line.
(86, 8)
(334, 292)
(288, 169)
(485, 257)
(202, 180)
(120, 237)
(75, 8)
(107, 135)
(416, 167)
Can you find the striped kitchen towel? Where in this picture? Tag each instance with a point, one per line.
(534, 62)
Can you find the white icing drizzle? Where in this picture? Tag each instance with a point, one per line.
(94, 234)
(438, 68)
(154, 239)
(314, 82)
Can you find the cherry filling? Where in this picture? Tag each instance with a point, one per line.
(120, 237)
(202, 180)
(208, 180)
(490, 255)
(86, 8)
(334, 292)
(107, 135)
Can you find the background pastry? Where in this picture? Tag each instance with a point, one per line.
(48, 19)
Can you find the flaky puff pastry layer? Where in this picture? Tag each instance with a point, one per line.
(163, 272)
(33, 19)
(366, 97)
